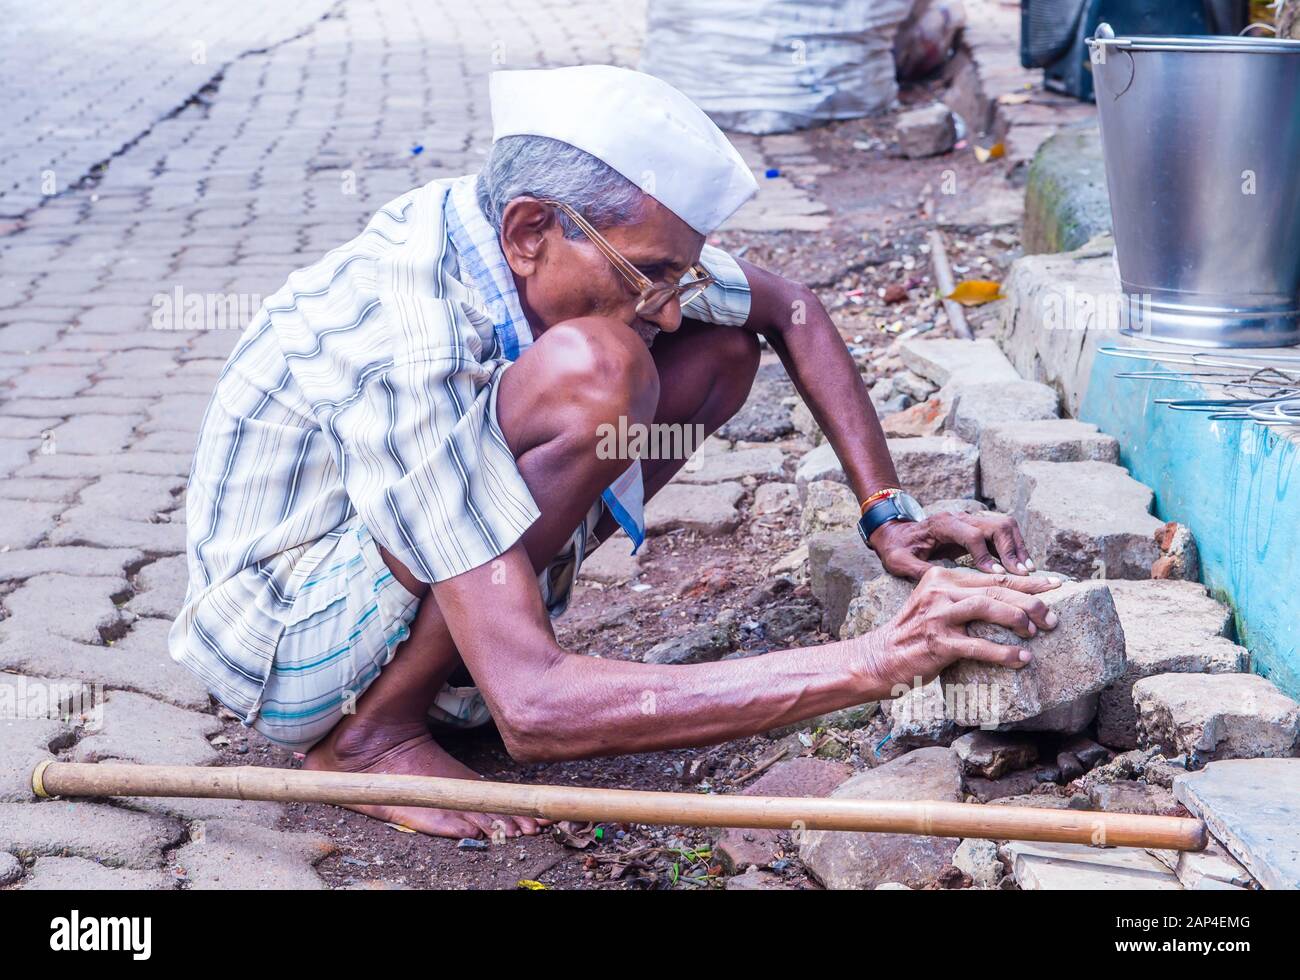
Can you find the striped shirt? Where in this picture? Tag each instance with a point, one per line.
(365, 387)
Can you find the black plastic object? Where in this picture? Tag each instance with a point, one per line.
(1052, 32)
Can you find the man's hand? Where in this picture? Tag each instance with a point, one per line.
(907, 547)
(929, 633)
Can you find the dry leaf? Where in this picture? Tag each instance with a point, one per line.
(1013, 98)
(531, 885)
(994, 152)
(975, 292)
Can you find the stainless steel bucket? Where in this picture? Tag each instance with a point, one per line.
(1201, 137)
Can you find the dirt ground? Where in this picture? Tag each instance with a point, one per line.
(882, 207)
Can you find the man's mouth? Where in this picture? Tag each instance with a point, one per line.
(646, 330)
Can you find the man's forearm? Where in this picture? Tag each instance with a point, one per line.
(583, 706)
(801, 332)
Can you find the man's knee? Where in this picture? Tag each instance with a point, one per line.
(601, 369)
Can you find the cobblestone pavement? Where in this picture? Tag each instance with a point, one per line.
(82, 86)
(121, 296)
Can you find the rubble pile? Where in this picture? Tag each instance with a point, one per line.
(1137, 689)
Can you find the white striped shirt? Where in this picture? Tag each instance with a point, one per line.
(363, 387)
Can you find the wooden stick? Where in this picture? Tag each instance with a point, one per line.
(621, 806)
(943, 279)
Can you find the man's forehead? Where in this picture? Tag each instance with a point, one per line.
(659, 237)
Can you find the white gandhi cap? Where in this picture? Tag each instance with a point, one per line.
(639, 125)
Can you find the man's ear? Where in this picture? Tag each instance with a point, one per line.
(524, 224)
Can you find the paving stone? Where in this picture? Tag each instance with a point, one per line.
(1252, 806)
(990, 754)
(1169, 627)
(697, 645)
(1078, 867)
(1214, 864)
(25, 742)
(26, 522)
(927, 131)
(1005, 445)
(854, 860)
(1065, 719)
(738, 848)
(229, 854)
(80, 874)
(920, 717)
(160, 587)
(137, 728)
(112, 836)
(16, 454)
(828, 506)
(137, 662)
(25, 563)
(944, 360)
(758, 462)
(56, 407)
(1216, 716)
(136, 461)
(707, 510)
(41, 489)
(93, 434)
(876, 603)
(962, 505)
(260, 812)
(979, 859)
(1124, 796)
(1083, 654)
(165, 441)
(775, 498)
(935, 467)
(764, 417)
(83, 525)
(983, 403)
(11, 869)
(927, 418)
(77, 607)
(131, 496)
(839, 564)
(817, 465)
(1086, 519)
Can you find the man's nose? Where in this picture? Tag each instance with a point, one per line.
(668, 318)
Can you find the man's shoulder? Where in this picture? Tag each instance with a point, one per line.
(357, 275)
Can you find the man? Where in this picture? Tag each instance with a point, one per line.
(398, 478)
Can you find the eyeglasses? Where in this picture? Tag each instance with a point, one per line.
(654, 296)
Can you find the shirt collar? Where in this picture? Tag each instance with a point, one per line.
(477, 244)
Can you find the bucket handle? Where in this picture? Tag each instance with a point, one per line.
(1097, 54)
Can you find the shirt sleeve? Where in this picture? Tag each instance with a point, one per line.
(726, 302)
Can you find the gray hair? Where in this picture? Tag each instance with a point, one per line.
(538, 166)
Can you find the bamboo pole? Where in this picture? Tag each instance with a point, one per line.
(621, 806)
(943, 279)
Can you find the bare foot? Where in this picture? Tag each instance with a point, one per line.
(355, 747)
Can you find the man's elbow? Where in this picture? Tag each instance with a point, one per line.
(793, 305)
(531, 723)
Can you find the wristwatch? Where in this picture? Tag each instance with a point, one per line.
(894, 506)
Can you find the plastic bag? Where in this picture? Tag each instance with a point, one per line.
(772, 66)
